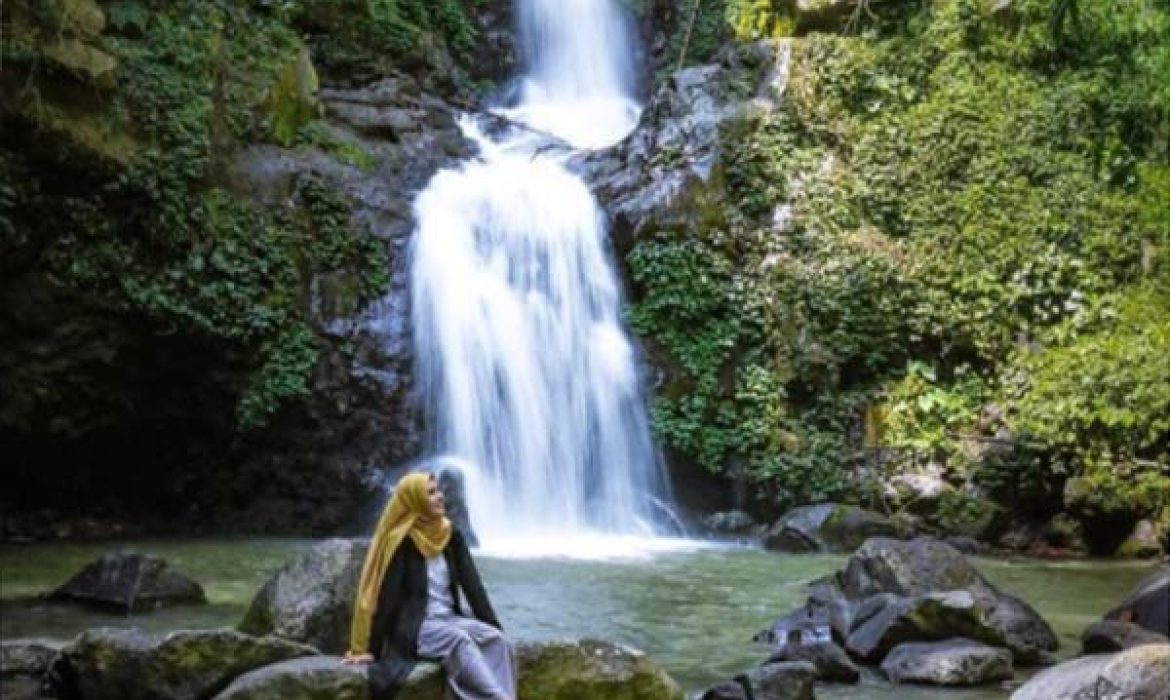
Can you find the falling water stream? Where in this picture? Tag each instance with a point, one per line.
(530, 378)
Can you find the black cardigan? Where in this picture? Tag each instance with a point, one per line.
(402, 605)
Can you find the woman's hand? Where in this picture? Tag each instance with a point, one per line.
(355, 658)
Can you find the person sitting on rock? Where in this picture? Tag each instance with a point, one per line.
(408, 607)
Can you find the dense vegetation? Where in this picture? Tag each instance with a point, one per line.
(136, 212)
(949, 246)
(155, 309)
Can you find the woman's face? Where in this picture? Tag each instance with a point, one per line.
(436, 507)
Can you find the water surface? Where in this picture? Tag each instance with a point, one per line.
(693, 611)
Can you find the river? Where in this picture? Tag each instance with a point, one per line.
(693, 611)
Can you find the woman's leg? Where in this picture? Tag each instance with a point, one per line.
(496, 651)
(469, 675)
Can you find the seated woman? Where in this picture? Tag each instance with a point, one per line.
(408, 605)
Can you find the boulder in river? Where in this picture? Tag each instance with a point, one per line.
(831, 661)
(730, 522)
(892, 592)
(311, 599)
(954, 662)
(130, 582)
(1148, 605)
(1142, 672)
(786, 680)
(827, 527)
(1107, 636)
(128, 664)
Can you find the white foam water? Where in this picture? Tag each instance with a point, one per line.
(529, 375)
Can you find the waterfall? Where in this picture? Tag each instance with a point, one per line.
(528, 374)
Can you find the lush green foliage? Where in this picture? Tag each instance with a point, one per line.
(163, 235)
(978, 213)
(351, 36)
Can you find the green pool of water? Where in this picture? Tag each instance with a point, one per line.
(694, 612)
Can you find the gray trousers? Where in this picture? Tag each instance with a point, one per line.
(476, 656)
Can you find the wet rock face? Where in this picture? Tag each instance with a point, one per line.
(667, 175)
(129, 583)
(362, 414)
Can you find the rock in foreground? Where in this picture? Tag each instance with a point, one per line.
(311, 600)
(553, 671)
(128, 664)
(1142, 672)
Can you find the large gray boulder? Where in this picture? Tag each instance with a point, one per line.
(128, 664)
(886, 621)
(918, 571)
(130, 582)
(893, 591)
(914, 567)
(827, 527)
(1140, 673)
(1148, 605)
(955, 662)
(550, 671)
(311, 600)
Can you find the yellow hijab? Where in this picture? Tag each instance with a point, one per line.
(405, 514)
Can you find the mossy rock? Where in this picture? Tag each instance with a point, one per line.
(293, 100)
(967, 516)
(591, 670)
(128, 664)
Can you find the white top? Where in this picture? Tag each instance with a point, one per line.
(439, 602)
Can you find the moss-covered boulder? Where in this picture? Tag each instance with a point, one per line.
(1143, 543)
(593, 669)
(129, 664)
(827, 527)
